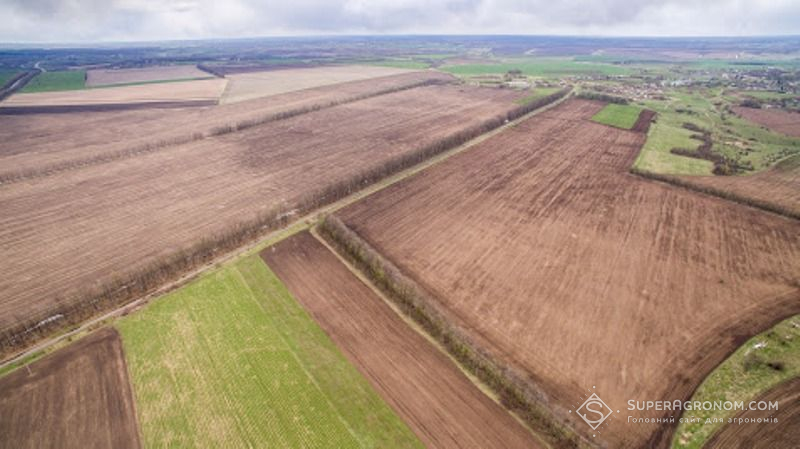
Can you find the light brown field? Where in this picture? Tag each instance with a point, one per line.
(198, 91)
(778, 186)
(74, 230)
(783, 434)
(250, 85)
(424, 387)
(77, 397)
(540, 247)
(105, 77)
(36, 141)
(785, 122)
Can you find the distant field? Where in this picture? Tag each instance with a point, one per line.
(247, 86)
(205, 92)
(538, 92)
(35, 142)
(6, 76)
(618, 115)
(784, 122)
(74, 398)
(56, 81)
(744, 376)
(544, 67)
(232, 360)
(109, 77)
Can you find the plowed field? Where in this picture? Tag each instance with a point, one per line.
(541, 247)
(77, 397)
(76, 229)
(437, 401)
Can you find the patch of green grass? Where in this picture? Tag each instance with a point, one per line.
(6, 75)
(233, 360)
(618, 115)
(539, 67)
(742, 377)
(401, 64)
(138, 83)
(22, 362)
(538, 92)
(55, 81)
(767, 95)
(732, 136)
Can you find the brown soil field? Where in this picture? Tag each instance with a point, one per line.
(36, 142)
(541, 248)
(440, 404)
(250, 85)
(785, 434)
(79, 229)
(785, 122)
(105, 77)
(202, 91)
(76, 397)
(778, 186)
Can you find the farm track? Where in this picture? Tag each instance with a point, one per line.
(783, 434)
(77, 397)
(542, 249)
(49, 143)
(420, 382)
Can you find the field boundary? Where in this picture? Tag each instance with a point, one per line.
(177, 268)
(16, 83)
(152, 147)
(516, 394)
(719, 193)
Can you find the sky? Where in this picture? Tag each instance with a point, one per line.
(143, 20)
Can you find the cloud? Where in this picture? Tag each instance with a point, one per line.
(109, 20)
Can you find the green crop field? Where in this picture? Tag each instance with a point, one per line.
(55, 81)
(618, 115)
(541, 67)
(743, 377)
(232, 360)
(6, 75)
(538, 92)
(401, 64)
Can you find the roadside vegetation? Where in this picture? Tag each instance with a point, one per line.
(233, 360)
(762, 363)
(56, 81)
(618, 115)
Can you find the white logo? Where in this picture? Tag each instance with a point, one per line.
(594, 411)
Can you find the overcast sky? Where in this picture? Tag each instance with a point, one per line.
(137, 20)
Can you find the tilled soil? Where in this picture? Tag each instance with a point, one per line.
(785, 122)
(540, 245)
(76, 397)
(75, 230)
(421, 383)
